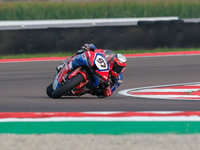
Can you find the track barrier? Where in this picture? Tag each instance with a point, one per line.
(144, 35)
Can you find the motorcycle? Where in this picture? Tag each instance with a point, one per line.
(93, 73)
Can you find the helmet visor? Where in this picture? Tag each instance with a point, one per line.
(117, 68)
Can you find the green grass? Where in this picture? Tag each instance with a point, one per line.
(156, 50)
(98, 9)
(36, 55)
(116, 51)
(101, 127)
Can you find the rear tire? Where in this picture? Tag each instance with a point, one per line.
(69, 85)
(49, 90)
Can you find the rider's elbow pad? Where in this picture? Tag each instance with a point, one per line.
(80, 51)
(118, 83)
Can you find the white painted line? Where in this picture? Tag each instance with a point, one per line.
(165, 90)
(103, 112)
(107, 119)
(166, 96)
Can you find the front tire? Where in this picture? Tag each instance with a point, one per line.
(69, 85)
(49, 90)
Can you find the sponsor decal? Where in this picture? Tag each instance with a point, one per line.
(100, 62)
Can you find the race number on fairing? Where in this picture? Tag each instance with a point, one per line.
(101, 63)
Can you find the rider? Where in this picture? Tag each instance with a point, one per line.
(85, 47)
(117, 64)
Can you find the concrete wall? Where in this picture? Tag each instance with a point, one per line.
(145, 35)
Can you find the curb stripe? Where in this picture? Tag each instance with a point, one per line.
(183, 91)
(171, 89)
(158, 93)
(21, 115)
(170, 97)
(179, 122)
(193, 87)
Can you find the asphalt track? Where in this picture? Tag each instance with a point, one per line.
(23, 86)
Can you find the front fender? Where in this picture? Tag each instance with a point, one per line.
(56, 84)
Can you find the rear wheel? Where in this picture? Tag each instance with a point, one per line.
(68, 85)
(49, 90)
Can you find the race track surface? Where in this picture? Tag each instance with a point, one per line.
(23, 86)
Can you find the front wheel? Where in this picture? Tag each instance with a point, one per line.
(68, 85)
(49, 90)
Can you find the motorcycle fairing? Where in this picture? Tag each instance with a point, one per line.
(58, 77)
(95, 82)
(56, 84)
(100, 62)
(79, 60)
(89, 59)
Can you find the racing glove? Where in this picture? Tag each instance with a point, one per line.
(107, 91)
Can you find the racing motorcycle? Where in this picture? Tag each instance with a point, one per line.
(93, 73)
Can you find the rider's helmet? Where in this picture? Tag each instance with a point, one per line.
(118, 63)
(89, 47)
